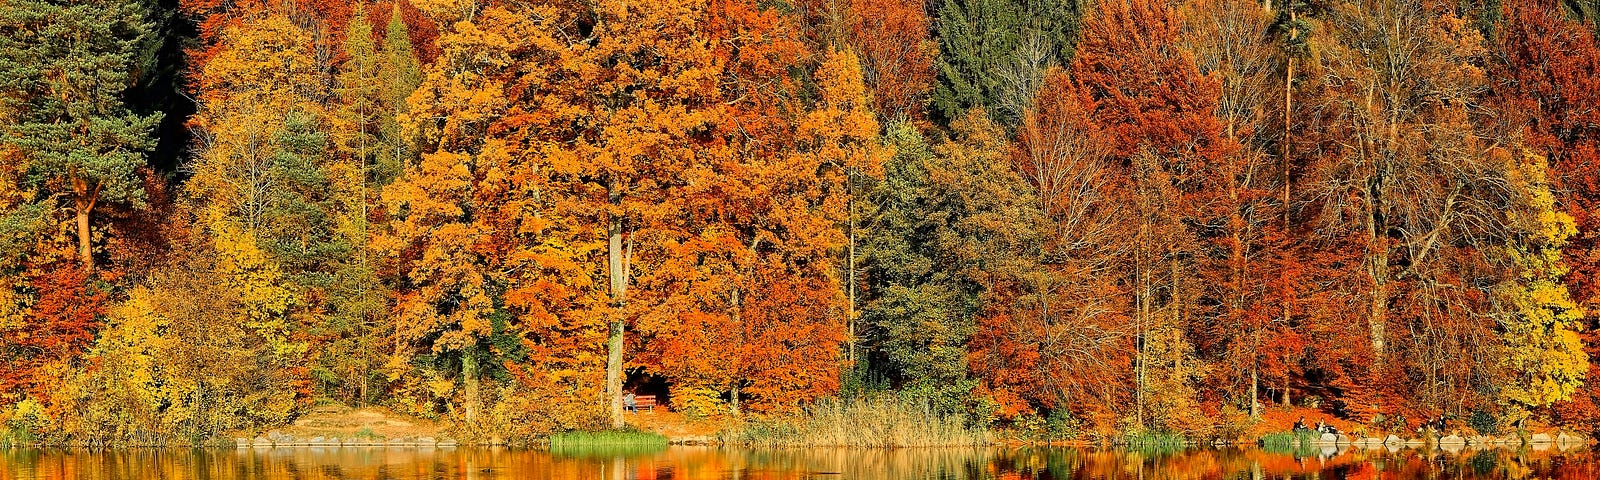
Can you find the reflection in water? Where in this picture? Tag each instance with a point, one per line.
(693, 463)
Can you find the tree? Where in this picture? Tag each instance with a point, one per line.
(993, 53)
(1229, 40)
(1405, 183)
(941, 225)
(1545, 359)
(1544, 85)
(442, 226)
(69, 64)
(398, 74)
(892, 37)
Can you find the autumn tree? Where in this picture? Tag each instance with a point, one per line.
(1543, 85)
(68, 66)
(1229, 40)
(897, 54)
(1405, 183)
(1544, 358)
(441, 229)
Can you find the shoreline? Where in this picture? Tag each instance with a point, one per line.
(1449, 444)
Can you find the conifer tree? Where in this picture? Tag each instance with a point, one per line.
(993, 53)
(65, 66)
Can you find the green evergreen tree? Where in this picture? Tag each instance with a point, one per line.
(64, 66)
(944, 220)
(993, 53)
(400, 74)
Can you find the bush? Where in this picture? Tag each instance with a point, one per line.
(1484, 422)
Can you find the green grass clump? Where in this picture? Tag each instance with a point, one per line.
(607, 438)
(1154, 439)
(1289, 442)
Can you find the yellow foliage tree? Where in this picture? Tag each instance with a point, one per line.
(1542, 356)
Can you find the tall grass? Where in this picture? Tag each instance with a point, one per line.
(1289, 442)
(607, 438)
(880, 421)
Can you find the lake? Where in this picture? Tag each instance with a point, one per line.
(746, 464)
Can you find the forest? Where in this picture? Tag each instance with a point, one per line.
(1066, 217)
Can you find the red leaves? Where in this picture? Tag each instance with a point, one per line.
(60, 326)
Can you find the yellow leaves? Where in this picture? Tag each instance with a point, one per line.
(1541, 351)
(255, 277)
(447, 11)
(265, 64)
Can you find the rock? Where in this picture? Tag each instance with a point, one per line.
(1342, 439)
(1328, 438)
(1393, 440)
(1539, 438)
(262, 442)
(1479, 440)
(335, 441)
(318, 440)
(426, 441)
(1370, 442)
(1564, 439)
(241, 442)
(447, 442)
(399, 442)
(1452, 440)
(1511, 440)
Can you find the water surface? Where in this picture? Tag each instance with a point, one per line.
(745, 464)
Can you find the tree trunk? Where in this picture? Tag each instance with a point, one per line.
(614, 372)
(84, 204)
(617, 269)
(469, 377)
(851, 264)
(1255, 390)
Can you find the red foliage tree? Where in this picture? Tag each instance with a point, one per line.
(60, 326)
(892, 37)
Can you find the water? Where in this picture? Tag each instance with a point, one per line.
(728, 463)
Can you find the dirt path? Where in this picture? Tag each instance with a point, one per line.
(371, 423)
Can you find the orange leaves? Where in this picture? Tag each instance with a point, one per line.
(897, 54)
(58, 328)
(1144, 91)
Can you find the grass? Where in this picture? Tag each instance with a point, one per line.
(1153, 440)
(607, 438)
(1288, 442)
(883, 421)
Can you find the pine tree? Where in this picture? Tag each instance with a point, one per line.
(993, 53)
(68, 64)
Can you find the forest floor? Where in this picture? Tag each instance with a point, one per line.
(1280, 418)
(339, 421)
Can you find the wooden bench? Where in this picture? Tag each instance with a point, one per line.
(645, 402)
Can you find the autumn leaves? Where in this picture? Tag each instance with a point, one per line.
(1124, 216)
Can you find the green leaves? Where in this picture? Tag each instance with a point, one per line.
(69, 65)
(993, 53)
